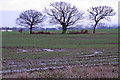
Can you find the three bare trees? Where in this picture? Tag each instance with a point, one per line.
(64, 14)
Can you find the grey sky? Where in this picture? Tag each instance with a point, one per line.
(10, 9)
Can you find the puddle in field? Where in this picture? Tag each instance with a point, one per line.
(49, 50)
(95, 53)
(12, 64)
(32, 69)
(52, 67)
(98, 60)
(52, 63)
(38, 50)
(58, 50)
(22, 50)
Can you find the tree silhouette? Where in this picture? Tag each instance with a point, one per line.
(64, 14)
(30, 18)
(100, 12)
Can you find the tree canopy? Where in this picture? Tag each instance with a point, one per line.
(30, 18)
(100, 12)
(64, 14)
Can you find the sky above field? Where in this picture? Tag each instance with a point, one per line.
(10, 9)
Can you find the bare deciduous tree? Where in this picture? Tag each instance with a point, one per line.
(99, 13)
(64, 14)
(30, 18)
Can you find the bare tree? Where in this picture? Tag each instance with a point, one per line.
(64, 14)
(30, 18)
(99, 13)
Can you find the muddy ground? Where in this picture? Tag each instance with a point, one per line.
(94, 58)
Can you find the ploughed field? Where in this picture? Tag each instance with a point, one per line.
(40, 54)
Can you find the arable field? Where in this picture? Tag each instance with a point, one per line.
(60, 55)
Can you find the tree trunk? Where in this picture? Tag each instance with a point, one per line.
(64, 28)
(31, 29)
(94, 30)
(94, 27)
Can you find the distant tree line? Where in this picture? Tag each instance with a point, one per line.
(65, 14)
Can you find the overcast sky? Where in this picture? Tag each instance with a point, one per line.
(10, 9)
